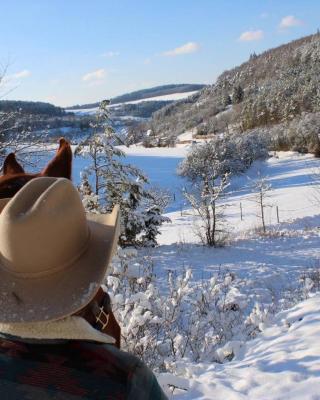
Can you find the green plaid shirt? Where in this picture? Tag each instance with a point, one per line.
(73, 370)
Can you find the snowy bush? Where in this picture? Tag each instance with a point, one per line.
(224, 154)
(209, 320)
(301, 134)
(190, 320)
(208, 167)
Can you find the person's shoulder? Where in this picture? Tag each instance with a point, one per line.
(141, 382)
(110, 353)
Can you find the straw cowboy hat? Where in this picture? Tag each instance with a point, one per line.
(53, 256)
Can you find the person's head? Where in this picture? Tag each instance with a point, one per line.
(53, 256)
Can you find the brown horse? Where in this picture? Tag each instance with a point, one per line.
(14, 178)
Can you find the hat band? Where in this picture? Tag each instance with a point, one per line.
(5, 265)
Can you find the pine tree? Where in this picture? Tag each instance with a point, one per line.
(227, 100)
(109, 180)
(253, 56)
(89, 199)
(237, 95)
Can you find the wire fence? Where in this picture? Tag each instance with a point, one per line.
(277, 214)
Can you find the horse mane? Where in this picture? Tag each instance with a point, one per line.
(14, 176)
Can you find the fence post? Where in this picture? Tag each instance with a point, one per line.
(278, 219)
(241, 215)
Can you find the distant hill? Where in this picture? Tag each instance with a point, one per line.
(31, 108)
(144, 94)
(269, 89)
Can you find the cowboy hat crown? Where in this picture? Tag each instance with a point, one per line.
(44, 229)
(53, 256)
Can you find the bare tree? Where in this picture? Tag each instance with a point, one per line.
(262, 189)
(205, 199)
(207, 167)
(15, 137)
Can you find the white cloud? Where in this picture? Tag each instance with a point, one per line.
(21, 74)
(190, 47)
(290, 21)
(250, 36)
(13, 80)
(147, 61)
(97, 76)
(110, 54)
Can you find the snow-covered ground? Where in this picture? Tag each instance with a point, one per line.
(187, 135)
(284, 360)
(293, 184)
(135, 150)
(282, 363)
(167, 97)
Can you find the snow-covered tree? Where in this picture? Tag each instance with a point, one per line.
(89, 199)
(227, 100)
(109, 180)
(250, 147)
(207, 168)
(237, 95)
(205, 199)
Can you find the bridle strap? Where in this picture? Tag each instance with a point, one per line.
(101, 312)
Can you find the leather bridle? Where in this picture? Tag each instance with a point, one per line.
(99, 314)
(102, 312)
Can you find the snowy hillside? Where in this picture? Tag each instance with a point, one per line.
(267, 90)
(166, 97)
(169, 97)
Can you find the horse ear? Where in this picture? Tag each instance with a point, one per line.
(11, 165)
(61, 165)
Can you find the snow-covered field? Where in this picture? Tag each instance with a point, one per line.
(283, 361)
(293, 184)
(167, 97)
(177, 152)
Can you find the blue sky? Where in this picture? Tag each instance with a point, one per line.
(75, 51)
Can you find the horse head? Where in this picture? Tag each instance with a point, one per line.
(14, 176)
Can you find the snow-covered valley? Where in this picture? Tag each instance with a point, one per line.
(266, 275)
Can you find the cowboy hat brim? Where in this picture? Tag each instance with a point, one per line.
(3, 203)
(62, 293)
